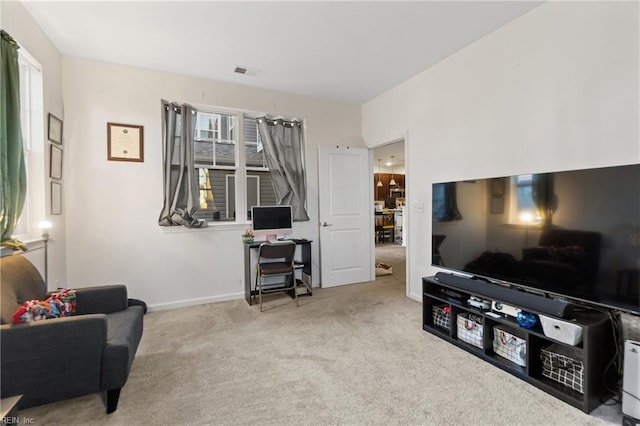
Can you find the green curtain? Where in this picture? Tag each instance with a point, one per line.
(13, 175)
(543, 197)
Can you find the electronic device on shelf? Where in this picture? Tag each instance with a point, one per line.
(586, 257)
(536, 303)
(454, 296)
(504, 309)
(479, 303)
(271, 222)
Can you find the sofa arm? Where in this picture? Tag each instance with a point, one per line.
(54, 359)
(101, 299)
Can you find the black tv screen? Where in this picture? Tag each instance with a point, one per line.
(573, 234)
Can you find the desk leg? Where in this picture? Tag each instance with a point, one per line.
(306, 270)
(247, 273)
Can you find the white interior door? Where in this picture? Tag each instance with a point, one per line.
(346, 215)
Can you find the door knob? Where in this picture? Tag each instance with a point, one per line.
(326, 224)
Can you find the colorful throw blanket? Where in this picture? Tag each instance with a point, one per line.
(60, 304)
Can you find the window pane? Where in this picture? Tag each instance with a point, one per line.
(524, 194)
(204, 126)
(525, 198)
(215, 141)
(225, 143)
(216, 192)
(253, 193)
(266, 195)
(231, 195)
(253, 151)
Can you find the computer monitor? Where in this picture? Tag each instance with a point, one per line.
(271, 222)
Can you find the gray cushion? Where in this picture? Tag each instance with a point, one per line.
(101, 299)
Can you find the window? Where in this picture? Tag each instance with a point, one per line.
(32, 122)
(524, 210)
(224, 152)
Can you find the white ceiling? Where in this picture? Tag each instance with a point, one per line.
(345, 51)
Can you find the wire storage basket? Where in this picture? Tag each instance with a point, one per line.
(509, 346)
(442, 316)
(469, 328)
(561, 365)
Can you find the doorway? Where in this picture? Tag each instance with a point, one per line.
(390, 216)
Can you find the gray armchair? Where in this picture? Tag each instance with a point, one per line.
(55, 359)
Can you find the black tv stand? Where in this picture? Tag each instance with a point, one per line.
(596, 351)
(482, 287)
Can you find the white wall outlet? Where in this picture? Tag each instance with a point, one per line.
(418, 207)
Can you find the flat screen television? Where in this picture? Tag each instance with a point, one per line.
(271, 222)
(570, 234)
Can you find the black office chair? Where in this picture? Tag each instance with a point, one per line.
(276, 260)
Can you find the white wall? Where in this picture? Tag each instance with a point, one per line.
(555, 89)
(113, 207)
(21, 26)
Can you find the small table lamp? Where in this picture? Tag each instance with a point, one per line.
(527, 218)
(45, 226)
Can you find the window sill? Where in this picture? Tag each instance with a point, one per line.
(211, 227)
(31, 243)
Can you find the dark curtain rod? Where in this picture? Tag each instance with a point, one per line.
(7, 37)
(270, 121)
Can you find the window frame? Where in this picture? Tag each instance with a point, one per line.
(228, 177)
(34, 144)
(240, 169)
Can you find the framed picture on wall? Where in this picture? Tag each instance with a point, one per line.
(55, 162)
(55, 129)
(125, 142)
(497, 204)
(56, 198)
(497, 186)
(498, 189)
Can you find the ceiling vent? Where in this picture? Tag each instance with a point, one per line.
(251, 72)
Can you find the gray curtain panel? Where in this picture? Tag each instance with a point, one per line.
(544, 197)
(283, 144)
(181, 199)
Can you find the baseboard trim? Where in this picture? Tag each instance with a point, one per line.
(416, 297)
(193, 302)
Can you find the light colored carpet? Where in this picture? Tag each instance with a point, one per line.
(348, 355)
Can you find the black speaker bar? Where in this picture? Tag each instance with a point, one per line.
(526, 301)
